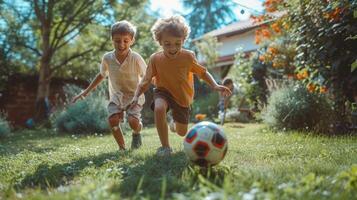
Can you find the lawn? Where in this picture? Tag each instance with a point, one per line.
(260, 164)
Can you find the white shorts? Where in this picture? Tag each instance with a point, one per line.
(134, 111)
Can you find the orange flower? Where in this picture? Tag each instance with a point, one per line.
(276, 65)
(258, 32)
(334, 15)
(273, 50)
(261, 58)
(271, 5)
(258, 40)
(298, 76)
(311, 87)
(276, 27)
(302, 75)
(200, 117)
(266, 33)
(257, 19)
(323, 89)
(271, 9)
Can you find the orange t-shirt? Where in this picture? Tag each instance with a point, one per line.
(176, 74)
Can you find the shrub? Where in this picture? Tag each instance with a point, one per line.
(293, 107)
(206, 105)
(236, 116)
(4, 126)
(85, 116)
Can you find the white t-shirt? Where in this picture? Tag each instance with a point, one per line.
(123, 78)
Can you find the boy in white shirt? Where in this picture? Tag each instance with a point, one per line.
(125, 69)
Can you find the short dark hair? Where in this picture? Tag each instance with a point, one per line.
(227, 81)
(123, 27)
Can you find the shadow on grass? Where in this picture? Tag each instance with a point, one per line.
(29, 140)
(60, 174)
(155, 174)
(159, 178)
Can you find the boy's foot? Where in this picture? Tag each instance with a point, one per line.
(136, 141)
(122, 148)
(164, 151)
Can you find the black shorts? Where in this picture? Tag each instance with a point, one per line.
(179, 113)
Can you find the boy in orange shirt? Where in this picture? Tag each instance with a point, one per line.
(172, 72)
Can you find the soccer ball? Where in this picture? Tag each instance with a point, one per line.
(205, 144)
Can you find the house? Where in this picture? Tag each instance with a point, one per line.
(236, 36)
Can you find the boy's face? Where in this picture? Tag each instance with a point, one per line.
(230, 86)
(122, 43)
(171, 44)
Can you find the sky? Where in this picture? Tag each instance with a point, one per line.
(169, 7)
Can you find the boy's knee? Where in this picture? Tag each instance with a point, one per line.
(115, 119)
(181, 133)
(181, 130)
(134, 123)
(160, 108)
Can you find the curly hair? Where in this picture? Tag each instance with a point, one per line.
(123, 27)
(175, 25)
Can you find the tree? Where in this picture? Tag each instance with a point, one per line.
(207, 15)
(47, 27)
(100, 39)
(51, 36)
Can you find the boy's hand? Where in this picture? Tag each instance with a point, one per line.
(223, 89)
(133, 102)
(79, 96)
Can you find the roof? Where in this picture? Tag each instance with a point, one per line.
(234, 28)
(239, 27)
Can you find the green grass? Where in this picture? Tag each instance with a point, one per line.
(260, 164)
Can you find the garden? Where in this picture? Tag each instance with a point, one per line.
(291, 122)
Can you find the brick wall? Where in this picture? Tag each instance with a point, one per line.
(18, 99)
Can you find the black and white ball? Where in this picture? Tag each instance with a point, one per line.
(205, 144)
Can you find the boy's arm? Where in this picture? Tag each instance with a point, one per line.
(207, 77)
(143, 85)
(91, 86)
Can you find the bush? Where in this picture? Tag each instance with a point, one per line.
(293, 107)
(85, 116)
(206, 105)
(235, 116)
(4, 126)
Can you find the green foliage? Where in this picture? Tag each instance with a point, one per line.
(208, 49)
(249, 74)
(4, 126)
(206, 105)
(234, 115)
(79, 36)
(205, 16)
(293, 107)
(349, 178)
(86, 116)
(322, 31)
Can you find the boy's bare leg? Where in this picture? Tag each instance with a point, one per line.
(160, 121)
(116, 129)
(135, 124)
(181, 129)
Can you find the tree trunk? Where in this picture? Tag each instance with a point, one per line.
(43, 91)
